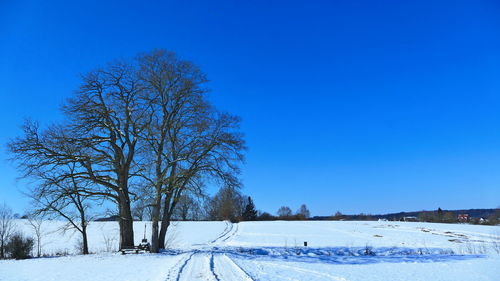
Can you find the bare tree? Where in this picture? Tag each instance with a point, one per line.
(211, 151)
(59, 189)
(6, 227)
(145, 122)
(284, 212)
(227, 204)
(36, 221)
(188, 141)
(108, 118)
(99, 139)
(142, 207)
(188, 208)
(65, 199)
(303, 212)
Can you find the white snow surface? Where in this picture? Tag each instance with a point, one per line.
(217, 251)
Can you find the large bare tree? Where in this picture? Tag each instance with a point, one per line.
(108, 116)
(188, 141)
(104, 118)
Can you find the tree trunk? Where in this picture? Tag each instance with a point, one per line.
(165, 222)
(163, 232)
(126, 223)
(155, 242)
(85, 241)
(38, 245)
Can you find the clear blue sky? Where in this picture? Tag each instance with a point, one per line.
(357, 106)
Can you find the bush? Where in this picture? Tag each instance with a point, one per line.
(19, 247)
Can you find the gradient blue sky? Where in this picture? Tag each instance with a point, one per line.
(357, 106)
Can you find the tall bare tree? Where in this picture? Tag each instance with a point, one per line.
(36, 222)
(188, 140)
(108, 117)
(100, 139)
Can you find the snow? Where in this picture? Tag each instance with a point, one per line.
(337, 250)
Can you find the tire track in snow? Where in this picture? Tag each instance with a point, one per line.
(225, 269)
(198, 265)
(233, 233)
(227, 229)
(228, 233)
(174, 272)
(212, 266)
(181, 269)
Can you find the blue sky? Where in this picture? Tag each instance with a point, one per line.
(357, 106)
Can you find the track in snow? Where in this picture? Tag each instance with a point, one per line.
(205, 264)
(229, 231)
(197, 268)
(208, 267)
(224, 232)
(225, 268)
(175, 271)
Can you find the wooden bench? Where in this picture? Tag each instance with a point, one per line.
(130, 250)
(144, 246)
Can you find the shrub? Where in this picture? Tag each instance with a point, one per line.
(19, 247)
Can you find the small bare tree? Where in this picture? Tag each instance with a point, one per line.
(284, 212)
(62, 194)
(109, 241)
(6, 227)
(227, 204)
(36, 221)
(303, 212)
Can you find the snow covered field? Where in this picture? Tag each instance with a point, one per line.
(272, 251)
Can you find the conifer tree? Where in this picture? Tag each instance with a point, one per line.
(250, 214)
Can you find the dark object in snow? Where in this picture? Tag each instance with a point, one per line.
(305, 243)
(143, 247)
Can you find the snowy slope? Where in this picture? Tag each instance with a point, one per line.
(273, 251)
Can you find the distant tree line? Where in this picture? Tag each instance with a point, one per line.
(452, 217)
(491, 217)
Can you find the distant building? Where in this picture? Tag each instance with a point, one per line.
(463, 217)
(410, 219)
